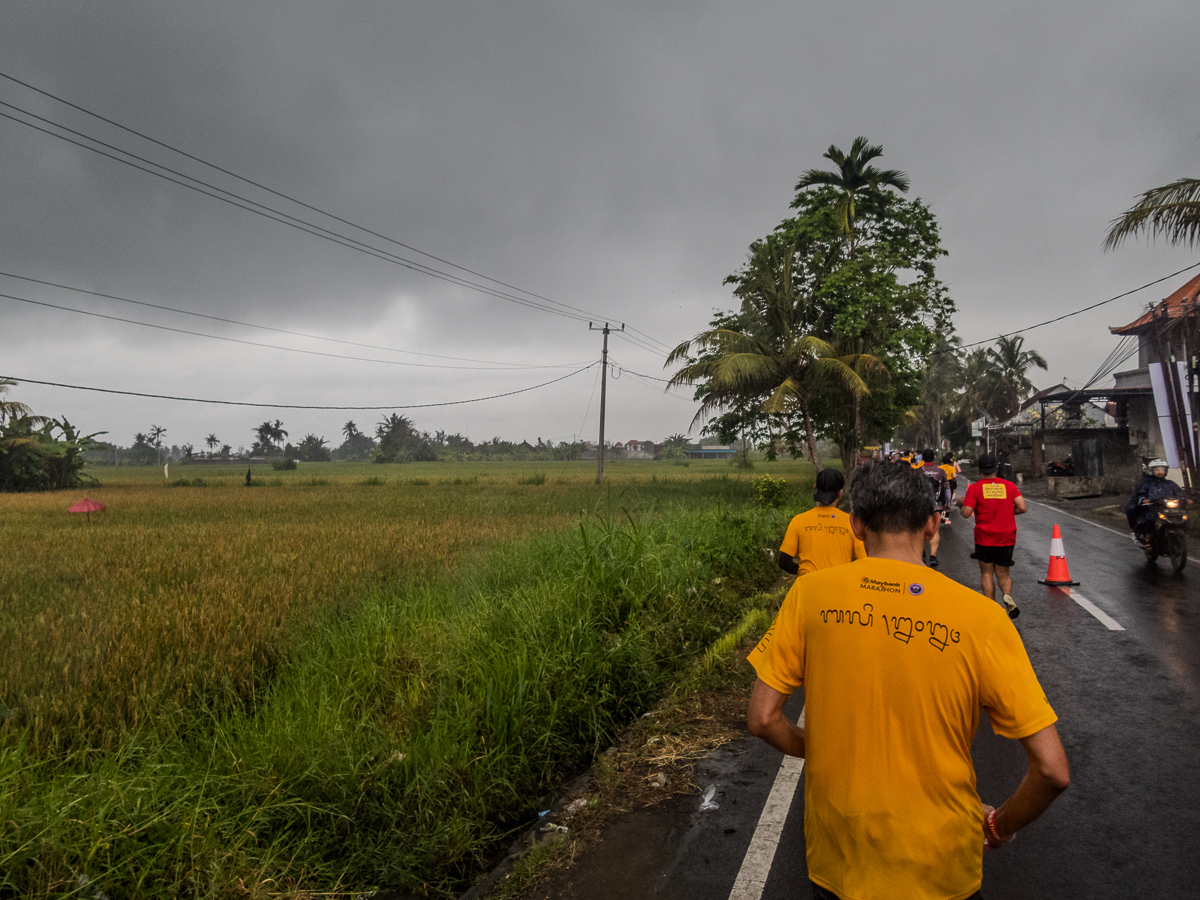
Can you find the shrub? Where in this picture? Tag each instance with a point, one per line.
(283, 465)
(535, 478)
(770, 492)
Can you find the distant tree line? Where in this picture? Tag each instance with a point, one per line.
(395, 439)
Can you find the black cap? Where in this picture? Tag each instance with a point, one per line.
(829, 484)
(986, 463)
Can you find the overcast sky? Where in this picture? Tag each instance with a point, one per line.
(614, 157)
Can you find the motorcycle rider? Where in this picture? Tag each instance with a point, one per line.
(1139, 511)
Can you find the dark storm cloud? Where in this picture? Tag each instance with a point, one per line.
(612, 156)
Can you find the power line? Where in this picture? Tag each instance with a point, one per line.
(316, 337)
(296, 222)
(275, 215)
(78, 387)
(233, 340)
(638, 342)
(280, 194)
(1076, 312)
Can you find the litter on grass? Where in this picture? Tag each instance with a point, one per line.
(707, 803)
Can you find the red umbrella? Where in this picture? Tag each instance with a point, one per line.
(87, 506)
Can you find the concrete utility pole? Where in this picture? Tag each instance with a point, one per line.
(603, 395)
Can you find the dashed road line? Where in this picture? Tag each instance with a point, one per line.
(1105, 619)
(760, 855)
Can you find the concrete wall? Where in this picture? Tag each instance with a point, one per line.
(1122, 465)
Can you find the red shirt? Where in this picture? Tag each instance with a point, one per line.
(995, 520)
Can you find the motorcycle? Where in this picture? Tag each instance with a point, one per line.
(1065, 468)
(1169, 535)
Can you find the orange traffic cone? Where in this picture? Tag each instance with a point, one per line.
(1058, 575)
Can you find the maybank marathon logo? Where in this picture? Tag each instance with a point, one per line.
(915, 589)
(887, 587)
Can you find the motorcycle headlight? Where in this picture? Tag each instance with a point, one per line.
(1172, 504)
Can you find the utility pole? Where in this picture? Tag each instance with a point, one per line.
(603, 396)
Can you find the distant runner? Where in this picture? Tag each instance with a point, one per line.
(995, 503)
(821, 537)
(896, 662)
(951, 467)
(940, 486)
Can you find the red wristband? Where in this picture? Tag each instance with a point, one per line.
(993, 832)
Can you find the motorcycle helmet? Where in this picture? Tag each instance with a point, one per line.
(1157, 464)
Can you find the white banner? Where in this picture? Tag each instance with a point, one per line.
(1159, 385)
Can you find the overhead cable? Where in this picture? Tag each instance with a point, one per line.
(277, 193)
(315, 337)
(233, 340)
(1070, 314)
(266, 212)
(78, 387)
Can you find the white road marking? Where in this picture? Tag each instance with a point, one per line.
(1124, 534)
(756, 865)
(1105, 619)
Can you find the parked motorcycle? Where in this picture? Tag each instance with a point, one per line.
(1065, 468)
(1169, 537)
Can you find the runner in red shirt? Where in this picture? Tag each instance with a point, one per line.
(995, 503)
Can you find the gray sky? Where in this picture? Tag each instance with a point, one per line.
(616, 157)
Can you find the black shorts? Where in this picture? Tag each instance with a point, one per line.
(997, 556)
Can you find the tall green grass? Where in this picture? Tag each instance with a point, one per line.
(404, 735)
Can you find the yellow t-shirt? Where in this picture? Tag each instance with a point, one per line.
(951, 472)
(895, 662)
(821, 538)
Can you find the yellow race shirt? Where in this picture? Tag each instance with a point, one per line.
(896, 662)
(821, 538)
(951, 472)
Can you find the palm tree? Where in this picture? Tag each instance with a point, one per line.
(771, 360)
(1172, 210)
(941, 389)
(156, 433)
(350, 430)
(278, 434)
(1010, 363)
(854, 178)
(13, 409)
(212, 440)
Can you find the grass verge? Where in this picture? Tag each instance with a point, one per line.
(410, 735)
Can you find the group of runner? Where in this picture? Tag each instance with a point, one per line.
(822, 537)
(897, 662)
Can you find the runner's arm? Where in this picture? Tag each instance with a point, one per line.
(1020, 506)
(966, 511)
(788, 563)
(765, 719)
(1048, 775)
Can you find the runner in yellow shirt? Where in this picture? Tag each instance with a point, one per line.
(821, 537)
(896, 662)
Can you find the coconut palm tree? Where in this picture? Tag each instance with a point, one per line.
(156, 433)
(941, 389)
(1010, 363)
(1172, 211)
(854, 178)
(769, 359)
(212, 440)
(13, 409)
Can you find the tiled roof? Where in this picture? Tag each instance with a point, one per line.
(1175, 306)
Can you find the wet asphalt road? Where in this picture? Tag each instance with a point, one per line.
(1129, 715)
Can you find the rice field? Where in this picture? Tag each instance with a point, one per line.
(344, 676)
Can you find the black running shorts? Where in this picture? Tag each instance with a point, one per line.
(997, 556)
